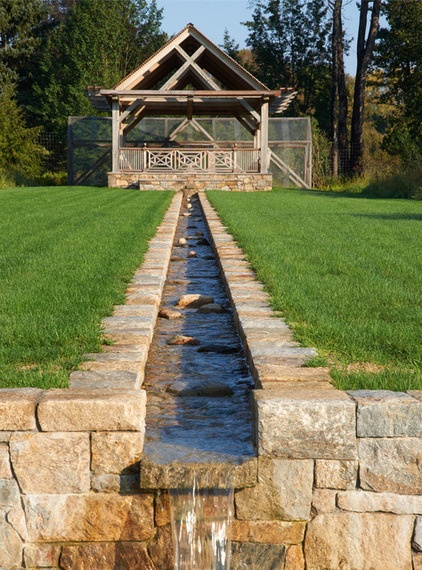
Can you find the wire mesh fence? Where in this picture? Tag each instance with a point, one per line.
(89, 144)
(55, 161)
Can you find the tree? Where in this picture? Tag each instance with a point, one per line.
(97, 43)
(365, 48)
(399, 57)
(284, 55)
(229, 45)
(19, 21)
(20, 154)
(339, 99)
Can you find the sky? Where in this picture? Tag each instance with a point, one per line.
(212, 17)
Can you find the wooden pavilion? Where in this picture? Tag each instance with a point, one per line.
(191, 77)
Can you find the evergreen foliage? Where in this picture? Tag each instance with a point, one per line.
(19, 22)
(290, 43)
(20, 155)
(97, 43)
(400, 57)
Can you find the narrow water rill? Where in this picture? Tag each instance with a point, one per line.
(199, 422)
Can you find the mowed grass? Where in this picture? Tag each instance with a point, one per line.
(66, 255)
(346, 272)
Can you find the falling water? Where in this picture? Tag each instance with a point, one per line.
(201, 509)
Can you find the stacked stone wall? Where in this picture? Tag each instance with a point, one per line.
(231, 182)
(337, 482)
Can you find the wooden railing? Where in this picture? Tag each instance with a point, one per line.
(202, 160)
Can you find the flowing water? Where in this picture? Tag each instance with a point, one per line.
(198, 409)
(198, 396)
(201, 518)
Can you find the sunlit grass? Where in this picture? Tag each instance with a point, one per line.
(66, 255)
(347, 274)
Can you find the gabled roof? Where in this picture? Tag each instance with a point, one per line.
(205, 66)
(190, 74)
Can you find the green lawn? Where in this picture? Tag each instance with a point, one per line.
(346, 272)
(66, 255)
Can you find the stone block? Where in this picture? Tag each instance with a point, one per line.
(9, 494)
(262, 556)
(155, 475)
(128, 323)
(363, 541)
(51, 462)
(10, 545)
(333, 474)
(417, 535)
(160, 549)
(324, 501)
(417, 561)
(17, 408)
(268, 532)
(364, 501)
(116, 452)
(162, 509)
(294, 373)
(42, 555)
(305, 424)
(391, 465)
(381, 413)
(5, 471)
(90, 378)
(89, 517)
(294, 558)
(111, 483)
(91, 410)
(123, 555)
(283, 492)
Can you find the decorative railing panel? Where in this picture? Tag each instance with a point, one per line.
(202, 160)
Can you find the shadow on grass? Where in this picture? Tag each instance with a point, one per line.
(409, 216)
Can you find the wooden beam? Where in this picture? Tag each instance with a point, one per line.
(265, 163)
(137, 93)
(189, 112)
(208, 81)
(179, 129)
(136, 120)
(132, 107)
(250, 125)
(115, 131)
(201, 129)
(182, 70)
(249, 108)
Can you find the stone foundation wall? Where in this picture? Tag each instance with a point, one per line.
(198, 181)
(337, 483)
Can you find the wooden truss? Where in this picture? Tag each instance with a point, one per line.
(190, 76)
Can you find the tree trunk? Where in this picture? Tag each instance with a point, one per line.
(338, 94)
(365, 48)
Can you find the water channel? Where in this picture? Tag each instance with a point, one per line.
(198, 394)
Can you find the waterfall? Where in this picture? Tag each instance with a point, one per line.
(201, 514)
